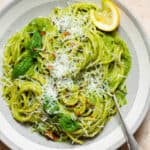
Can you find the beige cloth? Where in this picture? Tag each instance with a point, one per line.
(4, 3)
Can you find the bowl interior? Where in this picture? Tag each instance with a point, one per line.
(132, 82)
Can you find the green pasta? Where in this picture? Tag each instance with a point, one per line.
(59, 71)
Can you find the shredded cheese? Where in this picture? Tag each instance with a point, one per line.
(61, 66)
(68, 23)
(50, 90)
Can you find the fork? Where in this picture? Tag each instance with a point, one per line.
(131, 142)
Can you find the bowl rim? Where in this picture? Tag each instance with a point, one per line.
(145, 37)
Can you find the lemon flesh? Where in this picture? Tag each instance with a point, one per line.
(108, 19)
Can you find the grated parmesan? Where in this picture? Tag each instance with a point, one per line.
(61, 66)
(50, 90)
(69, 23)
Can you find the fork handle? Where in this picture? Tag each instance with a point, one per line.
(131, 142)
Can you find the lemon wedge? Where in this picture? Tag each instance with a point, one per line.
(108, 19)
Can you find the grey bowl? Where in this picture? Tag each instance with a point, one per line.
(17, 136)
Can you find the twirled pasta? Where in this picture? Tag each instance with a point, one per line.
(59, 71)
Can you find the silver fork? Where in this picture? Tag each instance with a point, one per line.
(131, 142)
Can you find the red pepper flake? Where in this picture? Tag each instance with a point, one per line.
(66, 34)
(50, 67)
(51, 136)
(54, 55)
(78, 113)
(42, 33)
(48, 134)
(55, 138)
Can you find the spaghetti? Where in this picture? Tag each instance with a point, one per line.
(58, 71)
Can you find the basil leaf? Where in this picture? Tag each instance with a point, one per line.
(40, 24)
(22, 67)
(67, 124)
(36, 41)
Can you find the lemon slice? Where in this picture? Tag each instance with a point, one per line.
(108, 19)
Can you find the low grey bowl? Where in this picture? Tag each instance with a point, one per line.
(17, 136)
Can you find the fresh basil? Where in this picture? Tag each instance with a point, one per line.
(36, 41)
(22, 67)
(67, 124)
